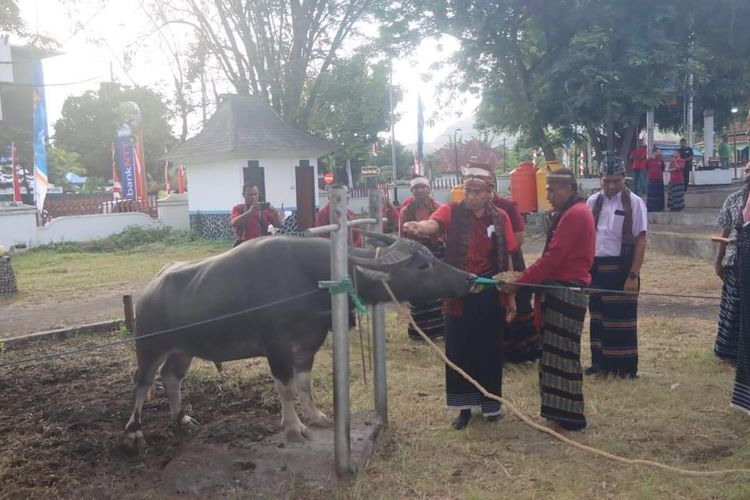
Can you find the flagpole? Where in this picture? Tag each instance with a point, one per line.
(393, 135)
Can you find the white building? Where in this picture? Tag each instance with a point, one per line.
(245, 141)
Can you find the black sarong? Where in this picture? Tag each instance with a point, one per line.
(614, 319)
(727, 337)
(655, 198)
(474, 341)
(741, 392)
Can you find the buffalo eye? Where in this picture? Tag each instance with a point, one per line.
(424, 266)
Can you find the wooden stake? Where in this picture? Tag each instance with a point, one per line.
(127, 302)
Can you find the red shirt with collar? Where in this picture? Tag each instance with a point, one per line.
(570, 253)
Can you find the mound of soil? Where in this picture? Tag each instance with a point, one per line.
(62, 420)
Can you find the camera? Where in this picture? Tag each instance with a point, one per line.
(264, 205)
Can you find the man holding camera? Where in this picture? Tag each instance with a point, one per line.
(251, 219)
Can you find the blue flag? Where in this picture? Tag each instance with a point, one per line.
(40, 136)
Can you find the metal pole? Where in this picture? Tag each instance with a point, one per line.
(690, 111)
(734, 139)
(340, 320)
(650, 130)
(455, 150)
(393, 137)
(378, 323)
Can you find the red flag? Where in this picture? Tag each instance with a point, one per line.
(140, 167)
(116, 186)
(16, 183)
(167, 186)
(181, 179)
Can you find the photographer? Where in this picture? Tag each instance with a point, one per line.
(251, 218)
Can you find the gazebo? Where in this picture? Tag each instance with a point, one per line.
(246, 141)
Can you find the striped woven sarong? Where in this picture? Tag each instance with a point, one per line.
(676, 197)
(727, 338)
(655, 198)
(560, 375)
(522, 340)
(614, 319)
(741, 392)
(474, 341)
(429, 317)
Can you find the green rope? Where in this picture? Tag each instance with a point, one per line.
(344, 286)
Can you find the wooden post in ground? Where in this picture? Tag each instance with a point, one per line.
(127, 302)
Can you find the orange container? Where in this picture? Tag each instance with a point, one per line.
(457, 193)
(541, 184)
(523, 187)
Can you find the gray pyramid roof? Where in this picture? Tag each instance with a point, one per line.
(243, 124)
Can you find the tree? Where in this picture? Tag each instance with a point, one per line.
(88, 125)
(59, 163)
(383, 159)
(353, 107)
(10, 17)
(589, 67)
(280, 51)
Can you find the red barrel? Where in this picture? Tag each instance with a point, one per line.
(523, 187)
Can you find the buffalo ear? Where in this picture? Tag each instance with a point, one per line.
(372, 274)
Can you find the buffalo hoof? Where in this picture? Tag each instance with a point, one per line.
(134, 443)
(321, 421)
(186, 423)
(298, 434)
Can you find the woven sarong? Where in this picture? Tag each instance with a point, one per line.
(429, 317)
(474, 341)
(655, 198)
(676, 197)
(727, 338)
(522, 340)
(560, 375)
(741, 392)
(614, 319)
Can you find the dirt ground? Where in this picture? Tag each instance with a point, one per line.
(61, 423)
(22, 318)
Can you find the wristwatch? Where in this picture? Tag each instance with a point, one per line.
(632, 275)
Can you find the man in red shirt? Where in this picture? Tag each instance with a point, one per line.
(323, 218)
(418, 207)
(252, 218)
(638, 164)
(479, 239)
(566, 261)
(655, 174)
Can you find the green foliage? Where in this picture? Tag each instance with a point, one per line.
(129, 239)
(59, 163)
(592, 67)
(352, 107)
(89, 122)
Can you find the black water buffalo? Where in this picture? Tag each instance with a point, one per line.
(262, 299)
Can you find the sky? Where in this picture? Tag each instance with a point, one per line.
(96, 34)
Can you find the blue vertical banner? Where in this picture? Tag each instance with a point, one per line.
(420, 135)
(40, 136)
(126, 150)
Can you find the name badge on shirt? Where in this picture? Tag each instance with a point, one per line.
(490, 231)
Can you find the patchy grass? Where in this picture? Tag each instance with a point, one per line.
(677, 412)
(66, 272)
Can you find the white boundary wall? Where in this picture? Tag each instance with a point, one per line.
(18, 223)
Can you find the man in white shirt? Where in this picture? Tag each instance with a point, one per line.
(621, 225)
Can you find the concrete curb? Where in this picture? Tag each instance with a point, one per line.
(61, 333)
(683, 244)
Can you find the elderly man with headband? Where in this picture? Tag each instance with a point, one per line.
(566, 262)
(479, 239)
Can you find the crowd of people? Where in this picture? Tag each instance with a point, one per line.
(599, 242)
